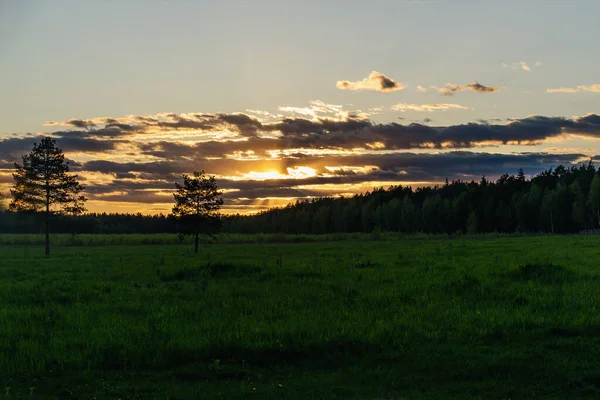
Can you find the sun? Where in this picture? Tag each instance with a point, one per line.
(263, 176)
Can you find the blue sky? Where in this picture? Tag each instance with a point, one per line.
(66, 60)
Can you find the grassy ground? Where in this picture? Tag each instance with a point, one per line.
(489, 318)
(224, 238)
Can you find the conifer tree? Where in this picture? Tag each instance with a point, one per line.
(197, 203)
(43, 184)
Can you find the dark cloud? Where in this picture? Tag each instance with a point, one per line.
(12, 149)
(243, 124)
(327, 133)
(478, 87)
(488, 121)
(451, 88)
(134, 196)
(320, 133)
(158, 169)
(122, 127)
(80, 123)
(110, 131)
(348, 134)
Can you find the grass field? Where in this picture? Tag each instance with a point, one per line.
(491, 318)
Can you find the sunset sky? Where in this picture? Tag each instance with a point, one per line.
(285, 100)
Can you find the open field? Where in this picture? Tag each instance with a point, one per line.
(491, 318)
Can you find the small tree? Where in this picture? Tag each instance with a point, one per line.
(197, 203)
(42, 184)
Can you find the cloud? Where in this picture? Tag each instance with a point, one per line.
(522, 65)
(592, 88)
(375, 81)
(303, 136)
(12, 149)
(581, 88)
(451, 88)
(315, 134)
(427, 107)
(328, 176)
(562, 90)
(328, 150)
(244, 124)
(421, 89)
(81, 123)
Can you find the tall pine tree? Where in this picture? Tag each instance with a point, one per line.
(43, 184)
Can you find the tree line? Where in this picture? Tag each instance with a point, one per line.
(560, 200)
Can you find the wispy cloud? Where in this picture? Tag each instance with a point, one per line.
(375, 81)
(581, 88)
(427, 107)
(317, 108)
(592, 88)
(562, 90)
(522, 65)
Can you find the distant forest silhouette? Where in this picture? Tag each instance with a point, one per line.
(558, 200)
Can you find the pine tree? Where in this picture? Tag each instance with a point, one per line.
(594, 199)
(43, 184)
(197, 203)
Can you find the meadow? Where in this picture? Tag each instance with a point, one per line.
(367, 317)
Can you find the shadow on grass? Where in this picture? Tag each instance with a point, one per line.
(466, 285)
(330, 355)
(545, 273)
(212, 270)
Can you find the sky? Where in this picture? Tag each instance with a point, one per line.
(288, 100)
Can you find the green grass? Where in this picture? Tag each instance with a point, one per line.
(492, 318)
(228, 238)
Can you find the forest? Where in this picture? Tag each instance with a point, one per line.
(557, 200)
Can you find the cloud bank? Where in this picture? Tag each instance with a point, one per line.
(268, 159)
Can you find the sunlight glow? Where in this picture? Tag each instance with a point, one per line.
(299, 172)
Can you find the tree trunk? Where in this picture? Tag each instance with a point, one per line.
(196, 231)
(47, 226)
(47, 216)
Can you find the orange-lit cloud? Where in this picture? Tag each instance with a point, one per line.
(375, 81)
(427, 107)
(595, 88)
(259, 160)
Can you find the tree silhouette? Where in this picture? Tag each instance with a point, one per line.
(42, 184)
(197, 203)
(594, 199)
